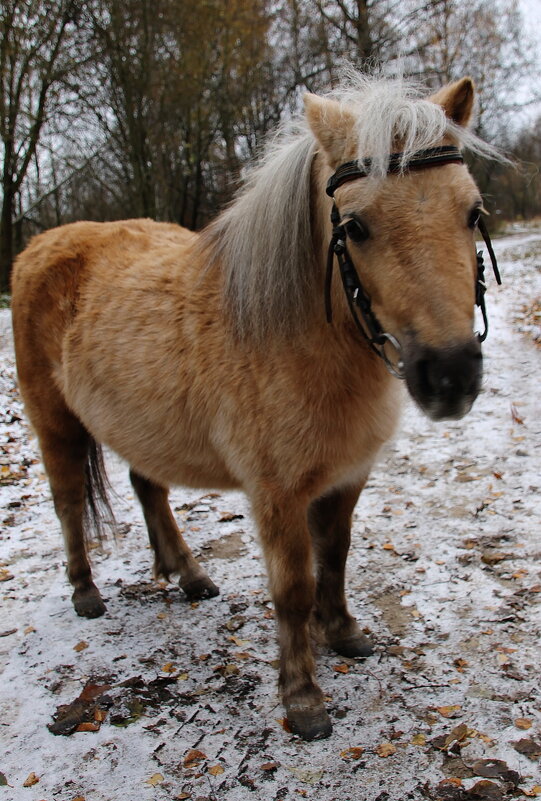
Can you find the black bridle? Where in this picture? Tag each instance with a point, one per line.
(357, 298)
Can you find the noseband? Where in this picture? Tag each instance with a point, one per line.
(357, 298)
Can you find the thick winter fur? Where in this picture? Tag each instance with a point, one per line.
(205, 359)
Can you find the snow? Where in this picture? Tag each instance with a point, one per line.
(445, 571)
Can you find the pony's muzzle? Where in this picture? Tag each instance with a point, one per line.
(444, 381)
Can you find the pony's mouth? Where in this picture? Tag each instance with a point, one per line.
(444, 382)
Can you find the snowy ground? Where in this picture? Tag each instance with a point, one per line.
(180, 699)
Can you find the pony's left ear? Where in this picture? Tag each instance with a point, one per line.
(456, 99)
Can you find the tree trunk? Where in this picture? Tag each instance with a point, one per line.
(6, 238)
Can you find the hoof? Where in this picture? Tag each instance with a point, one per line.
(310, 724)
(199, 589)
(356, 646)
(88, 603)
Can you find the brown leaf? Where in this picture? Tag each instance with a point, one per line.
(193, 757)
(385, 750)
(154, 780)
(216, 770)
(355, 752)
(30, 780)
(485, 790)
(91, 691)
(449, 711)
(523, 723)
(533, 791)
(529, 747)
(88, 726)
(458, 734)
(284, 723)
(270, 767)
(495, 557)
(516, 418)
(341, 668)
(495, 769)
(227, 517)
(80, 646)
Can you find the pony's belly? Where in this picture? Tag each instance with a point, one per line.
(155, 439)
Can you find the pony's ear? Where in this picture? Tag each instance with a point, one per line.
(456, 99)
(332, 125)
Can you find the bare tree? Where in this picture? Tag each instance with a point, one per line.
(33, 34)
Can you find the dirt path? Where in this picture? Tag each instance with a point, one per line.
(181, 700)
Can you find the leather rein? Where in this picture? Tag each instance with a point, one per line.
(356, 296)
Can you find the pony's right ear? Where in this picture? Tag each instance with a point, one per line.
(333, 126)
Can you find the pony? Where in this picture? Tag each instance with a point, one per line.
(206, 359)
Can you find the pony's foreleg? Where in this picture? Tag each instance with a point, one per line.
(64, 456)
(171, 553)
(329, 518)
(288, 553)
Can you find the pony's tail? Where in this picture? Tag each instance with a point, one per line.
(98, 512)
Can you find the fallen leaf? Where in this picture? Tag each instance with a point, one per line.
(182, 796)
(169, 667)
(270, 767)
(355, 752)
(341, 668)
(193, 757)
(523, 723)
(516, 418)
(533, 791)
(451, 782)
(284, 723)
(457, 735)
(418, 739)
(216, 770)
(385, 750)
(227, 517)
(495, 557)
(449, 711)
(29, 630)
(485, 790)
(5, 575)
(154, 780)
(495, 769)
(460, 664)
(80, 646)
(306, 776)
(529, 747)
(3, 781)
(88, 726)
(31, 780)
(388, 546)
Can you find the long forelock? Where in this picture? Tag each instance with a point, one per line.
(391, 110)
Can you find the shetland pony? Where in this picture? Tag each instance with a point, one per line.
(205, 359)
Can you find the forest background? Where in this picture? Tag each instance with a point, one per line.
(125, 108)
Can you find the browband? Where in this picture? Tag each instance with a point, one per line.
(431, 157)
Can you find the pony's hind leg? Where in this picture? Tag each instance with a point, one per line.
(172, 555)
(288, 553)
(65, 448)
(329, 519)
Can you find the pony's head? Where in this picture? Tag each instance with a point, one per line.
(410, 235)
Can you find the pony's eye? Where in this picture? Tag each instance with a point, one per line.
(356, 231)
(473, 217)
